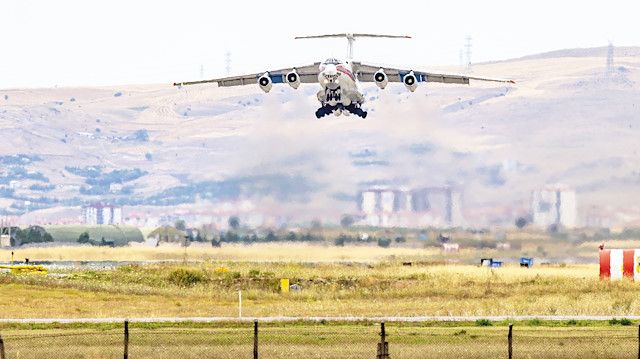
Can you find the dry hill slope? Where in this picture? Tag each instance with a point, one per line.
(565, 120)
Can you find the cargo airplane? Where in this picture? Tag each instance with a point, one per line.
(339, 93)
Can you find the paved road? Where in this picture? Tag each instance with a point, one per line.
(328, 319)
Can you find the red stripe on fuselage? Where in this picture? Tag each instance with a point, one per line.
(346, 72)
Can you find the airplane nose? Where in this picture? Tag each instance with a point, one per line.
(331, 70)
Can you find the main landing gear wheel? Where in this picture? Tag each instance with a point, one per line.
(323, 111)
(327, 110)
(356, 111)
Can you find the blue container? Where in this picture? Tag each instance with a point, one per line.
(486, 262)
(495, 264)
(526, 262)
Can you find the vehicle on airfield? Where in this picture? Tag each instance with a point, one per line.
(339, 79)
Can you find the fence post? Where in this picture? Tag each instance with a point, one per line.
(126, 339)
(255, 339)
(383, 346)
(510, 338)
(1, 348)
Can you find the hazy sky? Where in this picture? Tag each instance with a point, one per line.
(46, 43)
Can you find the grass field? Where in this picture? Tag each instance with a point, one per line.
(320, 340)
(363, 281)
(335, 281)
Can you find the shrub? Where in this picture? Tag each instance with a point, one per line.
(623, 321)
(185, 277)
(384, 242)
(535, 322)
(483, 323)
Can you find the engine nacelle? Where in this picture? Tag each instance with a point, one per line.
(265, 82)
(381, 79)
(410, 81)
(293, 79)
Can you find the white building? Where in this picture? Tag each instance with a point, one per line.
(385, 207)
(101, 213)
(554, 204)
(5, 241)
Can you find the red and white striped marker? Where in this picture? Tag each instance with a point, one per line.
(618, 263)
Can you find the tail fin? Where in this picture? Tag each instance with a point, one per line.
(352, 38)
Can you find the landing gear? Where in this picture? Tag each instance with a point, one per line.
(323, 111)
(339, 108)
(356, 110)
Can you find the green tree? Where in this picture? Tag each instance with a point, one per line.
(234, 222)
(180, 225)
(84, 237)
(346, 221)
(521, 222)
(271, 237)
(384, 242)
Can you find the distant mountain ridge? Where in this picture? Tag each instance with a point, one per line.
(157, 145)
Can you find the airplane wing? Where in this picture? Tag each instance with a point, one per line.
(307, 74)
(365, 73)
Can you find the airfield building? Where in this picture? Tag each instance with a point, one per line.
(437, 206)
(554, 204)
(101, 213)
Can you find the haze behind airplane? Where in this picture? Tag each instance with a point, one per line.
(339, 93)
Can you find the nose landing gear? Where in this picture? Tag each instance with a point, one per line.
(352, 108)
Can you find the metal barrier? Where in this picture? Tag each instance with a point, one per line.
(398, 340)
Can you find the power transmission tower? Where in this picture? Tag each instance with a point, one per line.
(610, 60)
(468, 46)
(228, 61)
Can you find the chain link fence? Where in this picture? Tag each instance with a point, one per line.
(320, 340)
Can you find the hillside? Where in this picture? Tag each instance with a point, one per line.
(158, 146)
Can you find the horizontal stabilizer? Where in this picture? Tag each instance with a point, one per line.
(352, 36)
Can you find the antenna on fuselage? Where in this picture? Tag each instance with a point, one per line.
(351, 38)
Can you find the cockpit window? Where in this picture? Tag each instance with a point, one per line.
(332, 61)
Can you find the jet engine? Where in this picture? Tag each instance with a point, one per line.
(381, 79)
(293, 79)
(265, 82)
(410, 81)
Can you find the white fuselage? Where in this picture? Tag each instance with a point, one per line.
(338, 83)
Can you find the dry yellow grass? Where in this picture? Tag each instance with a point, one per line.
(335, 281)
(264, 252)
